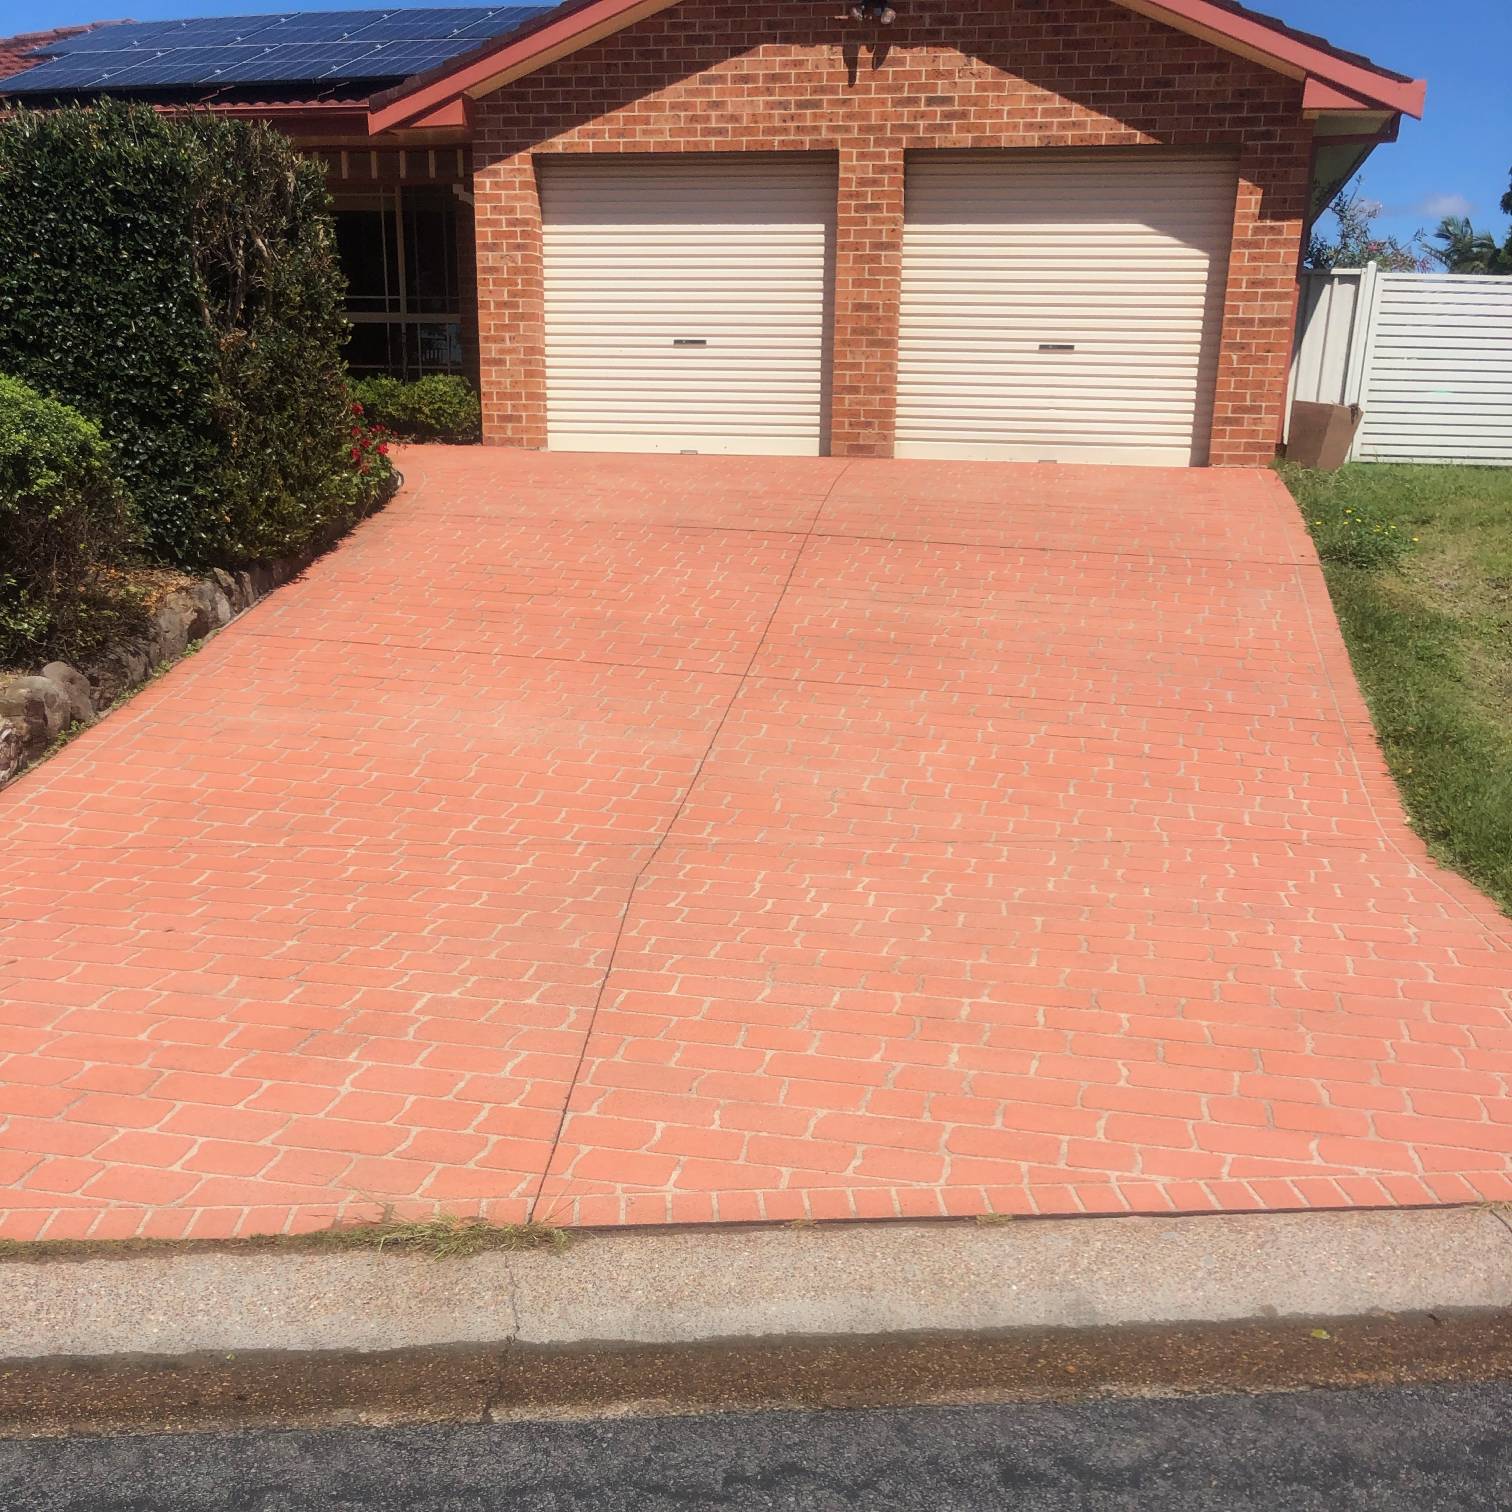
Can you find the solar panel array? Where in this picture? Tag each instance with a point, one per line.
(324, 47)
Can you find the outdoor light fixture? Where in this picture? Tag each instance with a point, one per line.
(877, 12)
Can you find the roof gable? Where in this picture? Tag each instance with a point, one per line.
(578, 23)
(1301, 55)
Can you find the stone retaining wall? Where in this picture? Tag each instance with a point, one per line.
(37, 708)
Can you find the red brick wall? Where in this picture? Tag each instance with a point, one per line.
(787, 76)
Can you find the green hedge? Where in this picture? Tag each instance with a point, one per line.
(64, 520)
(177, 281)
(437, 408)
(99, 303)
(265, 253)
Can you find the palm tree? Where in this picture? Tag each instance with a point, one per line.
(1465, 249)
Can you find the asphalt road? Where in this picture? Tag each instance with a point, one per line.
(1417, 1449)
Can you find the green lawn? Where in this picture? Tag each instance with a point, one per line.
(1426, 608)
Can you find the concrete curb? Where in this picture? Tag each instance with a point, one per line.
(688, 1286)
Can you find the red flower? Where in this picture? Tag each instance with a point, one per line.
(356, 408)
(383, 448)
(356, 452)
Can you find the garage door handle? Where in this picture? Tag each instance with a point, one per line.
(690, 341)
(1057, 346)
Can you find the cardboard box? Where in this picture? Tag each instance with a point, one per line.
(1321, 434)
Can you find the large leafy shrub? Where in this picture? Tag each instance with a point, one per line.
(266, 260)
(64, 521)
(177, 281)
(436, 408)
(99, 301)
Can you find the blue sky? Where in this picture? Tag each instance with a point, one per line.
(1455, 161)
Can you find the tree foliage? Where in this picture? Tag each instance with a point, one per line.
(176, 281)
(1463, 249)
(1357, 242)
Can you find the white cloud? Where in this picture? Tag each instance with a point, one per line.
(1437, 206)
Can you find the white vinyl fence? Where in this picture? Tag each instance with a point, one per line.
(1426, 356)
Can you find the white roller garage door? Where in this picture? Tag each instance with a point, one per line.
(686, 303)
(1062, 307)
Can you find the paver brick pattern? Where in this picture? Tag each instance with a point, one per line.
(634, 839)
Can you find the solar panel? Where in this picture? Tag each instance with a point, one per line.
(324, 60)
(338, 26)
(500, 21)
(215, 33)
(285, 47)
(92, 42)
(64, 74)
(184, 65)
(400, 59)
(400, 26)
(135, 34)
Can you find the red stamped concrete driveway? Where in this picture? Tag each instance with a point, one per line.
(630, 839)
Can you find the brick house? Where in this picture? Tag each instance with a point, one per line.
(1003, 228)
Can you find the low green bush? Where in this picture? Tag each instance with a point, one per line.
(438, 408)
(65, 522)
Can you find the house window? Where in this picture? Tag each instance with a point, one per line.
(398, 249)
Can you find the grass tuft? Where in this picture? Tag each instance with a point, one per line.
(444, 1237)
(1350, 526)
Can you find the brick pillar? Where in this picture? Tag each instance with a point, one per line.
(1259, 304)
(511, 301)
(868, 274)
